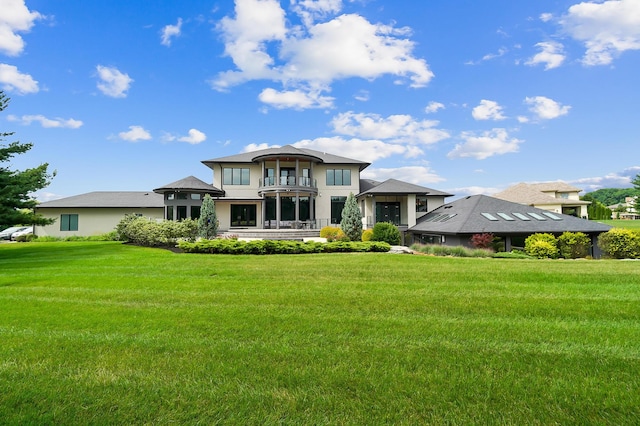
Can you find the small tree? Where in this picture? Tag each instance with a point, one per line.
(483, 241)
(351, 223)
(208, 220)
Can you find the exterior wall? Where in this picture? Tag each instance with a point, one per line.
(239, 191)
(325, 192)
(91, 221)
(555, 208)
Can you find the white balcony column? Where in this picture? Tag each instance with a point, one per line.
(264, 175)
(277, 177)
(278, 207)
(297, 182)
(297, 201)
(264, 210)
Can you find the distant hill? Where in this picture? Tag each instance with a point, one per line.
(610, 196)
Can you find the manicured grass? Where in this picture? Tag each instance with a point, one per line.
(103, 333)
(627, 224)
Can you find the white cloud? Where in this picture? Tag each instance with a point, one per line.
(310, 58)
(135, 134)
(546, 17)
(395, 128)
(194, 137)
(433, 107)
(13, 80)
(610, 180)
(488, 110)
(551, 54)
(418, 175)
(607, 28)
(545, 108)
(170, 31)
(257, 147)
(365, 150)
(47, 122)
(296, 99)
(485, 145)
(113, 82)
(15, 17)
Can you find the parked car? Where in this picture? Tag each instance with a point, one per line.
(6, 234)
(26, 231)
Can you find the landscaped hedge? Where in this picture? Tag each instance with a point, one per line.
(145, 232)
(228, 246)
(620, 243)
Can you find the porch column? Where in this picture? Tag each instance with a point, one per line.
(297, 201)
(264, 210)
(263, 179)
(312, 202)
(507, 243)
(278, 206)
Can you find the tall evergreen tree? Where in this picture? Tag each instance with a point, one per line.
(636, 183)
(17, 187)
(351, 223)
(208, 220)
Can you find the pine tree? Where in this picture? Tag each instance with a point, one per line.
(208, 220)
(351, 223)
(16, 187)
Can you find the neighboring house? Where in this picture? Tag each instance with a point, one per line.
(455, 223)
(558, 197)
(626, 210)
(277, 188)
(96, 212)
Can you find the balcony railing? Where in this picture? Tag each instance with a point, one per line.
(288, 181)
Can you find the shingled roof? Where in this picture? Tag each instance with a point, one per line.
(287, 150)
(532, 194)
(108, 199)
(481, 213)
(394, 186)
(190, 183)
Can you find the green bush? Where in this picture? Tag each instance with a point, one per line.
(262, 247)
(454, 251)
(620, 243)
(574, 245)
(386, 232)
(541, 246)
(146, 232)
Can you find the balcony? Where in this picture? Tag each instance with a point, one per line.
(289, 184)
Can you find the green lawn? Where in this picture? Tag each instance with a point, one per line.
(104, 333)
(627, 224)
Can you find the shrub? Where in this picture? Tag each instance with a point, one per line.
(367, 235)
(483, 241)
(455, 251)
(262, 247)
(541, 246)
(386, 232)
(145, 232)
(332, 233)
(574, 245)
(620, 243)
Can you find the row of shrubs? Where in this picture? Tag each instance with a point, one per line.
(382, 231)
(616, 243)
(145, 232)
(232, 246)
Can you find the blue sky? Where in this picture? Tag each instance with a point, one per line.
(462, 96)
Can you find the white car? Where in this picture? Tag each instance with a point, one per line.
(6, 234)
(26, 231)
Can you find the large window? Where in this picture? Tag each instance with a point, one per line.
(388, 212)
(337, 204)
(339, 177)
(235, 176)
(243, 215)
(421, 203)
(69, 222)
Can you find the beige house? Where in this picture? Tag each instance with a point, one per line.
(629, 210)
(96, 213)
(558, 197)
(285, 188)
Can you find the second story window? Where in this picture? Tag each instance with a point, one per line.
(235, 176)
(339, 177)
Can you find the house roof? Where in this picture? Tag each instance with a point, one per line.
(481, 213)
(287, 150)
(190, 183)
(108, 199)
(531, 194)
(394, 186)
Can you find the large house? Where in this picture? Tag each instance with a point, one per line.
(558, 197)
(270, 189)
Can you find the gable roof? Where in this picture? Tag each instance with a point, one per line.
(481, 213)
(287, 150)
(190, 183)
(531, 194)
(108, 199)
(394, 186)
